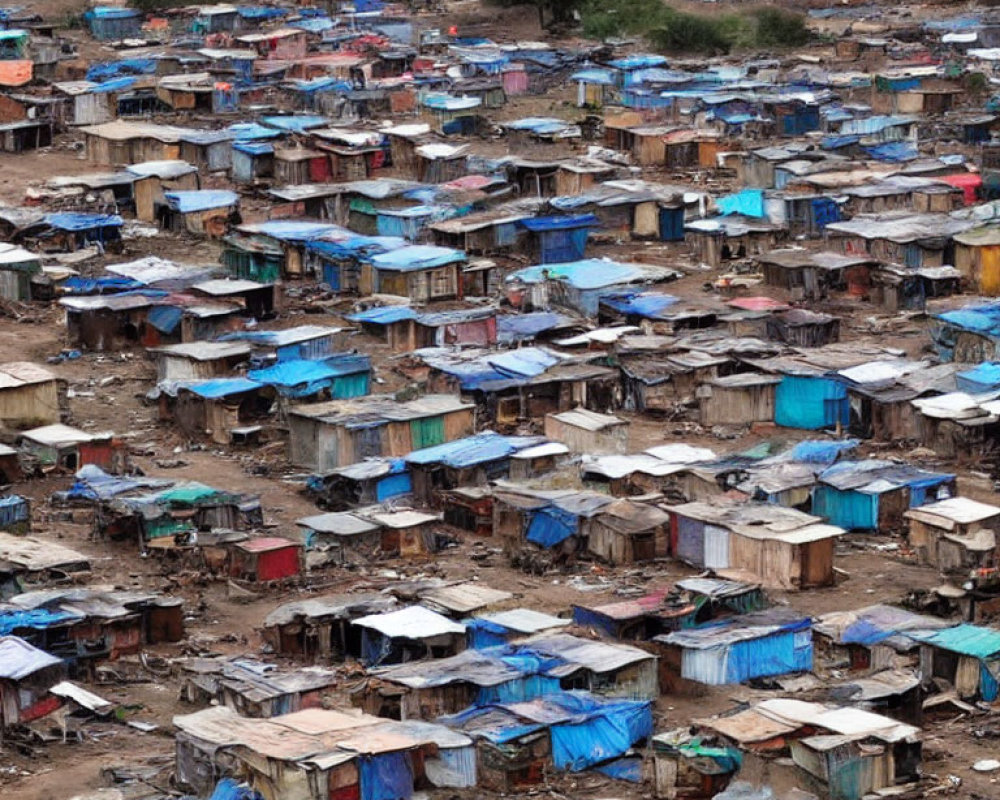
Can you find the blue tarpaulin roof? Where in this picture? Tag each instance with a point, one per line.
(261, 12)
(472, 450)
(602, 77)
(893, 152)
(515, 327)
(81, 221)
(93, 483)
(223, 387)
(559, 223)
(290, 230)
(417, 257)
(526, 362)
(200, 200)
(649, 305)
(967, 640)
(126, 66)
(114, 85)
(293, 373)
(385, 315)
(446, 102)
(110, 284)
(254, 148)
(981, 378)
(747, 203)
(590, 273)
(165, 318)
(313, 24)
(297, 123)
(819, 451)
(244, 131)
(983, 319)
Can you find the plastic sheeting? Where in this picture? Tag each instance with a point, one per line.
(229, 789)
(810, 402)
(818, 451)
(623, 769)
(387, 776)
(748, 203)
(607, 730)
(550, 526)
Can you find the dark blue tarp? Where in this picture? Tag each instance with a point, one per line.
(623, 769)
(165, 318)
(386, 776)
(550, 525)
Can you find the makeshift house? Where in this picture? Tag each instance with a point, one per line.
(423, 273)
(873, 495)
(472, 461)
(838, 751)
(649, 472)
(301, 343)
(685, 765)
(151, 179)
(967, 656)
(251, 161)
(745, 397)
(872, 638)
(62, 447)
(957, 535)
(409, 634)
(914, 240)
(502, 627)
(30, 395)
(265, 559)
(578, 285)
(814, 275)
(198, 360)
(15, 511)
(779, 546)
(69, 231)
(112, 23)
(716, 240)
(586, 431)
(318, 628)
(405, 330)
(373, 480)
(776, 641)
(206, 212)
(556, 521)
(802, 328)
(17, 269)
(227, 410)
(283, 44)
(259, 300)
(977, 258)
(26, 562)
(254, 688)
(641, 618)
(407, 533)
(557, 240)
(28, 134)
(628, 532)
(27, 676)
(341, 432)
(338, 376)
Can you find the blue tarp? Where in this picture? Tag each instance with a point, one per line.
(187, 202)
(165, 318)
(550, 525)
(385, 315)
(446, 102)
(559, 223)
(478, 449)
(523, 362)
(818, 451)
(81, 221)
(893, 152)
(623, 769)
(254, 148)
(747, 203)
(313, 24)
(229, 789)
(591, 273)
(602, 77)
(260, 13)
(982, 378)
(93, 483)
(518, 327)
(649, 305)
(386, 776)
(810, 402)
(245, 131)
(417, 257)
(301, 377)
(112, 284)
(298, 123)
(12, 620)
(836, 142)
(115, 69)
(114, 85)
(638, 61)
(223, 387)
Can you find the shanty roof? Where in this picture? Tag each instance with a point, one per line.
(204, 351)
(588, 420)
(462, 598)
(363, 411)
(18, 659)
(953, 512)
(756, 625)
(59, 435)
(415, 622)
(341, 606)
(524, 620)
(967, 640)
(339, 523)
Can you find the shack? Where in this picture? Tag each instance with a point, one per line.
(779, 546)
(265, 559)
(26, 676)
(585, 431)
(198, 360)
(776, 641)
(62, 447)
(967, 656)
(813, 275)
(628, 532)
(341, 432)
(423, 273)
(30, 395)
(957, 535)
(409, 634)
(18, 267)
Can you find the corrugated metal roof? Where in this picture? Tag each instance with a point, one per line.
(18, 659)
(968, 640)
(524, 620)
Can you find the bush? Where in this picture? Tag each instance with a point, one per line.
(680, 32)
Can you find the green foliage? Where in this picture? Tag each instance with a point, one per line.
(676, 31)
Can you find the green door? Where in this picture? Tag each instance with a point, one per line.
(427, 432)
